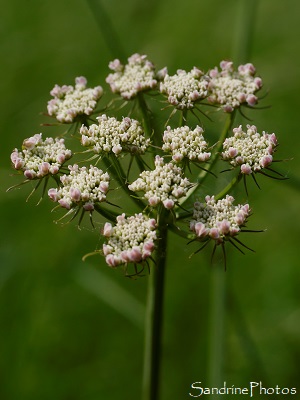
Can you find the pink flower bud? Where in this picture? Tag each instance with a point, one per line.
(75, 194)
(232, 152)
(112, 260)
(200, 229)
(153, 201)
(135, 254)
(108, 229)
(251, 100)
(214, 233)
(104, 186)
(52, 193)
(168, 204)
(30, 174)
(266, 160)
(224, 227)
(246, 169)
(65, 204)
(89, 206)
(44, 168)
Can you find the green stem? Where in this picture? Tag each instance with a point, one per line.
(214, 158)
(243, 35)
(227, 188)
(117, 171)
(216, 326)
(146, 118)
(154, 315)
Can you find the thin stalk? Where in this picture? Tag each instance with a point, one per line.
(216, 326)
(228, 188)
(241, 50)
(146, 118)
(214, 158)
(154, 316)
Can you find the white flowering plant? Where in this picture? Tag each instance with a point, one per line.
(159, 164)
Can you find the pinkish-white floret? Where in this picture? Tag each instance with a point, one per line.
(69, 102)
(250, 150)
(218, 219)
(165, 184)
(114, 136)
(136, 76)
(81, 187)
(185, 88)
(186, 143)
(230, 88)
(132, 239)
(39, 157)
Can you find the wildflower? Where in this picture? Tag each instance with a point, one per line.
(39, 158)
(132, 239)
(130, 79)
(218, 220)
(165, 184)
(83, 187)
(113, 136)
(250, 151)
(184, 143)
(184, 89)
(230, 88)
(70, 102)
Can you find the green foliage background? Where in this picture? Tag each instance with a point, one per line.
(66, 332)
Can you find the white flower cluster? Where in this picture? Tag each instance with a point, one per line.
(218, 219)
(185, 88)
(249, 150)
(111, 135)
(130, 240)
(229, 88)
(82, 187)
(130, 79)
(69, 101)
(39, 158)
(185, 143)
(164, 184)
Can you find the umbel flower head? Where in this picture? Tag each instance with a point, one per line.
(83, 187)
(113, 136)
(184, 143)
(70, 102)
(218, 220)
(131, 240)
(184, 89)
(39, 158)
(165, 184)
(230, 89)
(136, 76)
(249, 151)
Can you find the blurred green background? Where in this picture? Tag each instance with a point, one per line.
(72, 330)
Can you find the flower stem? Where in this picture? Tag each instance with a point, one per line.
(154, 316)
(216, 326)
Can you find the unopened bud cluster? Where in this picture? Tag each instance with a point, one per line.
(39, 157)
(184, 89)
(184, 142)
(230, 88)
(250, 151)
(165, 184)
(136, 76)
(132, 239)
(82, 187)
(218, 219)
(70, 102)
(113, 136)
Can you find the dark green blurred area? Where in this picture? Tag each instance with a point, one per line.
(67, 329)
